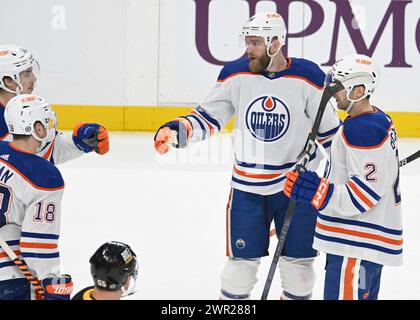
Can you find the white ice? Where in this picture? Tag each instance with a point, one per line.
(171, 210)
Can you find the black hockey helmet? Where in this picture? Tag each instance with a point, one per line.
(112, 264)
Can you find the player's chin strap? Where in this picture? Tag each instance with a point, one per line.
(18, 90)
(271, 56)
(353, 101)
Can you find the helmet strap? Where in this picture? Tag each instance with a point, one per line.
(18, 90)
(353, 101)
(271, 55)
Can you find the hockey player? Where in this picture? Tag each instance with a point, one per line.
(275, 100)
(114, 270)
(31, 189)
(359, 222)
(19, 72)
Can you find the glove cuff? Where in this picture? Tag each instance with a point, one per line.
(321, 195)
(58, 287)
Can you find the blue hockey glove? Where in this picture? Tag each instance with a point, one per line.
(57, 287)
(91, 136)
(307, 187)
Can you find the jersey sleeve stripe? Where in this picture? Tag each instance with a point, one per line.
(38, 245)
(359, 234)
(354, 201)
(360, 194)
(203, 120)
(40, 255)
(329, 132)
(304, 79)
(6, 264)
(39, 235)
(238, 74)
(327, 144)
(200, 123)
(209, 119)
(4, 254)
(13, 242)
(366, 188)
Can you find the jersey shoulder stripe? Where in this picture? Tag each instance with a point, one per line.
(234, 68)
(38, 172)
(305, 70)
(367, 131)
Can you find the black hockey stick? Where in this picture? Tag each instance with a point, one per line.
(23, 267)
(329, 91)
(413, 157)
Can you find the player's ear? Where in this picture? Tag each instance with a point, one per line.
(275, 44)
(9, 83)
(39, 129)
(360, 91)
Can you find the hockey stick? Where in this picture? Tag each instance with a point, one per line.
(329, 91)
(413, 157)
(23, 267)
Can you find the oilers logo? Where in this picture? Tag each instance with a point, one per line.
(267, 118)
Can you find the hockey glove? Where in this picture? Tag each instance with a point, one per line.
(176, 133)
(91, 136)
(307, 187)
(57, 287)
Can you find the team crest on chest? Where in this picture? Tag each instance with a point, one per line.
(267, 118)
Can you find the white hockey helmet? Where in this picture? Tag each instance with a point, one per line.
(13, 60)
(266, 25)
(23, 111)
(355, 70)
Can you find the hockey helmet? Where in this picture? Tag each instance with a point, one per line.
(355, 70)
(14, 60)
(23, 111)
(112, 264)
(266, 25)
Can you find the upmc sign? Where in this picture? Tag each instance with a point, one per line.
(395, 15)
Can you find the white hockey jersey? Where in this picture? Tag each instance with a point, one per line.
(31, 189)
(274, 115)
(363, 216)
(58, 150)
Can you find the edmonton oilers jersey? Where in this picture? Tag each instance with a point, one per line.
(363, 217)
(275, 112)
(31, 190)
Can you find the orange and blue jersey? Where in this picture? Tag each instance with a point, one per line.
(274, 111)
(363, 216)
(31, 189)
